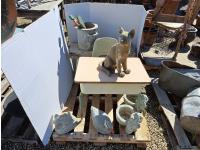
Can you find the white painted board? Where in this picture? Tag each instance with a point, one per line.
(36, 63)
(109, 18)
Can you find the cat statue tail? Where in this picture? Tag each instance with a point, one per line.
(103, 69)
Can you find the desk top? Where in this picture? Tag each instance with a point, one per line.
(87, 72)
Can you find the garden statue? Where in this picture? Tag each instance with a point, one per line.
(139, 102)
(123, 113)
(118, 54)
(133, 123)
(65, 122)
(101, 121)
(127, 116)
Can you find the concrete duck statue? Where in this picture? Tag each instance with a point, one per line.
(65, 122)
(101, 121)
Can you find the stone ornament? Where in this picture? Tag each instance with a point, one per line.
(133, 123)
(139, 102)
(65, 122)
(127, 117)
(123, 113)
(118, 54)
(101, 121)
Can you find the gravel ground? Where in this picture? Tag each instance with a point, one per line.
(159, 138)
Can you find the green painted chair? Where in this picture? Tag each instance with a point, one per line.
(102, 45)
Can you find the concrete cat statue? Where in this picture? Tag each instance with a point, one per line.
(118, 54)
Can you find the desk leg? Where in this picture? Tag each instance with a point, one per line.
(81, 104)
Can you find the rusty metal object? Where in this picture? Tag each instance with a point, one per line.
(8, 18)
(170, 6)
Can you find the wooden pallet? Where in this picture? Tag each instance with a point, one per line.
(85, 131)
(13, 128)
(171, 120)
(17, 129)
(4, 85)
(5, 90)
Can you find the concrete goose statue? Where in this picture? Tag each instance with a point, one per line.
(101, 121)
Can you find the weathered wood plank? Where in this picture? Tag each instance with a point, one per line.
(4, 85)
(109, 106)
(82, 113)
(119, 102)
(171, 135)
(69, 105)
(35, 14)
(170, 18)
(170, 113)
(18, 140)
(100, 138)
(142, 134)
(4, 100)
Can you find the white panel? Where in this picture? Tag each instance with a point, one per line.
(37, 65)
(110, 17)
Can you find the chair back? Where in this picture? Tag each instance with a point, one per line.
(102, 46)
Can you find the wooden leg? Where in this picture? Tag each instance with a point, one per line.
(81, 103)
(177, 49)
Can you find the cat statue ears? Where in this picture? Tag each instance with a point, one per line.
(131, 34)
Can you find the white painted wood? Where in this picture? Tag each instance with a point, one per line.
(110, 88)
(87, 72)
(37, 65)
(109, 18)
(93, 81)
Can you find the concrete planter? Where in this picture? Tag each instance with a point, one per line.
(86, 37)
(178, 79)
(123, 113)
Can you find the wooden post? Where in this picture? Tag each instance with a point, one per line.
(192, 11)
